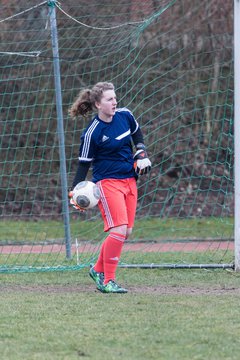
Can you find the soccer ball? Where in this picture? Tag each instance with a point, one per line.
(86, 194)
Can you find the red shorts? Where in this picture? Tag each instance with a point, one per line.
(118, 202)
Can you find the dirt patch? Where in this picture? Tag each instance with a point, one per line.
(178, 290)
(157, 290)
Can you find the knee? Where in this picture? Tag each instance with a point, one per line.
(122, 229)
(128, 233)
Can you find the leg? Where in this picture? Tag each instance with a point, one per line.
(112, 252)
(118, 202)
(121, 230)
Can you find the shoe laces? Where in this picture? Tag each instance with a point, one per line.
(113, 283)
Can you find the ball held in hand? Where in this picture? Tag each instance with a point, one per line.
(86, 194)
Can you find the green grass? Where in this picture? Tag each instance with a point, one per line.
(156, 230)
(52, 262)
(168, 314)
(150, 229)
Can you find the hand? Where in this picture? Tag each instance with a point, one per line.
(142, 164)
(70, 194)
(73, 203)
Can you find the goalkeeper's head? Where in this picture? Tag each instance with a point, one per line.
(87, 98)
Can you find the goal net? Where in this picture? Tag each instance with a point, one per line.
(172, 66)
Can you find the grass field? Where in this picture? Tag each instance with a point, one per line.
(167, 314)
(171, 236)
(150, 228)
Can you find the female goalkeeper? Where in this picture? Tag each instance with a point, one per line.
(106, 144)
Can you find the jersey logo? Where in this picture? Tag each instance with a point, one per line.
(105, 138)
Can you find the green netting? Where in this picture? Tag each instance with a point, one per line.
(172, 65)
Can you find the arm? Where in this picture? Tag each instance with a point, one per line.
(142, 164)
(138, 137)
(81, 173)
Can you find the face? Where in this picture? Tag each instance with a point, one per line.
(107, 105)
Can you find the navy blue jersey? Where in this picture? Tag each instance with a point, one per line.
(109, 146)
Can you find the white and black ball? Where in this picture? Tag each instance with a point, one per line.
(86, 194)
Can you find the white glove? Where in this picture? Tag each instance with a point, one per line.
(142, 164)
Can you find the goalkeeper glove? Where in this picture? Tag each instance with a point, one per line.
(142, 164)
